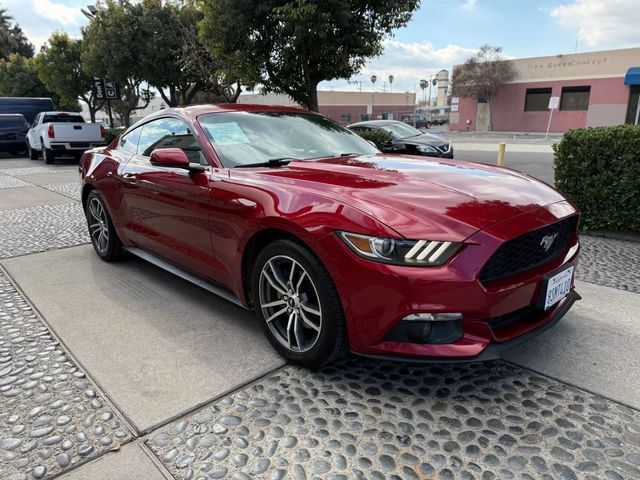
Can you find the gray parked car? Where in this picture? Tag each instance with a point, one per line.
(406, 139)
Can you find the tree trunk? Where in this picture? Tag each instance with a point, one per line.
(312, 102)
(490, 114)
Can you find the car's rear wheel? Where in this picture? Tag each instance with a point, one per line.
(48, 155)
(103, 234)
(298, 305)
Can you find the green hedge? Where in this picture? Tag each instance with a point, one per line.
(379, 137)
(112, 133)
(599, 170)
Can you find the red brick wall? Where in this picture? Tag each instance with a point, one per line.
(508, 107)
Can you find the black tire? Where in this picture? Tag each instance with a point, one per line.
(111, 250)
(331, 340)
(33, 154)
(48, 155)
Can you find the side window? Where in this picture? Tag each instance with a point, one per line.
(129, 143)
(169, 133)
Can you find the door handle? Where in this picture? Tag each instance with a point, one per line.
(129, 177)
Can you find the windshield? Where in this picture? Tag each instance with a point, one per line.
(242, 138)
(401, 130)
(62, 119)
(12, 122)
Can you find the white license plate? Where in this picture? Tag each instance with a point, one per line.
(558, 287)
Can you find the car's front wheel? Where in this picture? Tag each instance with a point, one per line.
(103, 234)
(33, 154)
(298, 304)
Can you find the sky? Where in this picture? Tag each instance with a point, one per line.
(440, 34)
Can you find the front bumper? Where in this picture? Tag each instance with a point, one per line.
(376, 297)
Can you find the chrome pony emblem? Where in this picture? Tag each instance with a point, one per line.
(547, 241)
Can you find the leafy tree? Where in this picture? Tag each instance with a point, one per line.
(219, 80)
(290, 46)
(60, 69)
(19, 78)
(115, 46)
(12, 38)
(483, 75)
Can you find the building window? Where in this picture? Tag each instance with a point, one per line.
(364, 117)
(575, 98)
(345, 117)
(537, 99)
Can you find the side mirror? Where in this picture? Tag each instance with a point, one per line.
(173, 157)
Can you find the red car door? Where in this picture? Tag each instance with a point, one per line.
(167, 206)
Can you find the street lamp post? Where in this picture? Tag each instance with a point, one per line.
(374, 79)
(391, 83)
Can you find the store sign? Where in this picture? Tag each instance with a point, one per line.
(554, 102)
(105, 89)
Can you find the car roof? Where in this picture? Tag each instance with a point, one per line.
(63, 113)
(375, 123)
(194, 111)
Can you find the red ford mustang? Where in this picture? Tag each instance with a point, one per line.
(336, 246)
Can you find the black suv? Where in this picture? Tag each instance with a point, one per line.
(13, 131)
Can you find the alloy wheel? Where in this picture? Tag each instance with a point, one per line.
(98, 225)
(290, 303)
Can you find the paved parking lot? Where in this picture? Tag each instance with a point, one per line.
(121, 371)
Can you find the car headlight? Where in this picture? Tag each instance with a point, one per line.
(419, 253)
(426, 149)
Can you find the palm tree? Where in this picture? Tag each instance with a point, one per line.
(12, 38)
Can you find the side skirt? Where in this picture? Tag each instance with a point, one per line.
(185, 275)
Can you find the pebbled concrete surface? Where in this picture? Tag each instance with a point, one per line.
(610, 262)
(363, 419)
(129, 463)
(43, 227)
(52, 418)
(157, 344)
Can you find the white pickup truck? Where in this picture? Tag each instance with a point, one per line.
(62, 133)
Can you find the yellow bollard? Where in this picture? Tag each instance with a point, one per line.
(501, 149)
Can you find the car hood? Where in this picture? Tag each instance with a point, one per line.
(421, 198)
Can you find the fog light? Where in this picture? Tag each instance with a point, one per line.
(433, 317)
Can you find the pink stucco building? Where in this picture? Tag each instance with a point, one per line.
(594, 89)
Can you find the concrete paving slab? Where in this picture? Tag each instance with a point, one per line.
(594, 346)
(156, 344)
(129, 463)
(66, 176)
(21, 197)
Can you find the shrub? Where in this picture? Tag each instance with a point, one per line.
(379, 137)
(599, 170)
(112, 133)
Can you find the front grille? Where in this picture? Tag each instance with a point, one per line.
(527, 251)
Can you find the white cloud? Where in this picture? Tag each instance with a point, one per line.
(469, 4)
(408, 63)
(57, 12)
(611, 23)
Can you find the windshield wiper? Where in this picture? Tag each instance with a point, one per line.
(350, 154)
(272, 162)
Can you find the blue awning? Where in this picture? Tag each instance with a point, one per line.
(633, 76)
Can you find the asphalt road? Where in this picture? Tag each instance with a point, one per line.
(536, 164)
